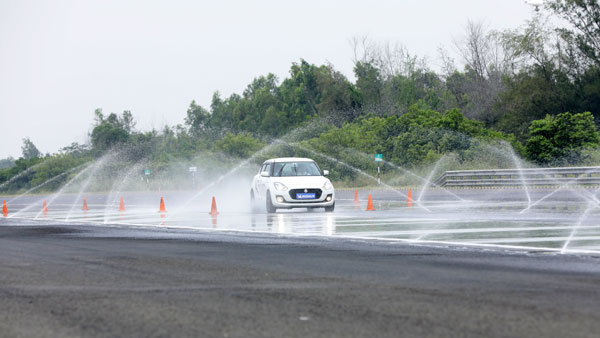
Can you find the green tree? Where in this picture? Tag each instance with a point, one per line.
(337, 96)
(584, 15)
(561, 139)
(197, 119)
(240, 145)
(29, 149)
(258, 97)
(7, 162)
(369, 83)
(221, 117)
(532, 94)
(111, 130)
(580, 49)
(75, 149)
(552, 76)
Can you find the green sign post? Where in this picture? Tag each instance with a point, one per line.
(378, 158)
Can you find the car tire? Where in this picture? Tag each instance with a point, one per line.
(330, 208)
(269, 204)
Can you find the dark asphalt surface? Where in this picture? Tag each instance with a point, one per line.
(61, 280)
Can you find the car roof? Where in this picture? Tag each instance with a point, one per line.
(290, 159)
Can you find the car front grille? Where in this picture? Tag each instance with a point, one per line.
(293, 193)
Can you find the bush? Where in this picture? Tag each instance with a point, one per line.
(562, 139)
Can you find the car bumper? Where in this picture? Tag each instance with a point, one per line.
(288, 202)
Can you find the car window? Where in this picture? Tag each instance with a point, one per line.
(282, 169)
(265, 167)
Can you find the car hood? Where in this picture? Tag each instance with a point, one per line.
(296, 182)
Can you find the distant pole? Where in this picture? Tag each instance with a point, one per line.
(193, 170)
(378, 158)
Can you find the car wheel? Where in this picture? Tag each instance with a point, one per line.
(330, 208)
(270, 207)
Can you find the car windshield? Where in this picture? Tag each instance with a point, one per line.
(295, 169)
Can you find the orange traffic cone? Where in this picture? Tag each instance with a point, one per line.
(45, 208)
(213, 208)
(122, 205)
(370, 204)
(409, 198)
(4, 209)
(356, 196)
(85, 207)
(162, 205)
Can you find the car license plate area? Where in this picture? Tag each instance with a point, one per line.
(305, 196)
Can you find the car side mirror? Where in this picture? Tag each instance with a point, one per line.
(325, 172)
(265, 174)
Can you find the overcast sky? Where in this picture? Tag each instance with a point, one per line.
(60, 60)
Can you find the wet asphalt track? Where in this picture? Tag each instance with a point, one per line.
(101, 281)
(559, 220)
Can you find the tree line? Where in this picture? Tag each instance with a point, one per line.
(535, 87)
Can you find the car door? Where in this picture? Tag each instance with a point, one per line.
(263, 182)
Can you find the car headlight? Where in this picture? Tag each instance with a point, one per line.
(280, 186)
(327, 186)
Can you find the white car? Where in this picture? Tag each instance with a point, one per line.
(292, 182)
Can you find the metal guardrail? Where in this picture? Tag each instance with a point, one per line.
(515, 177)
